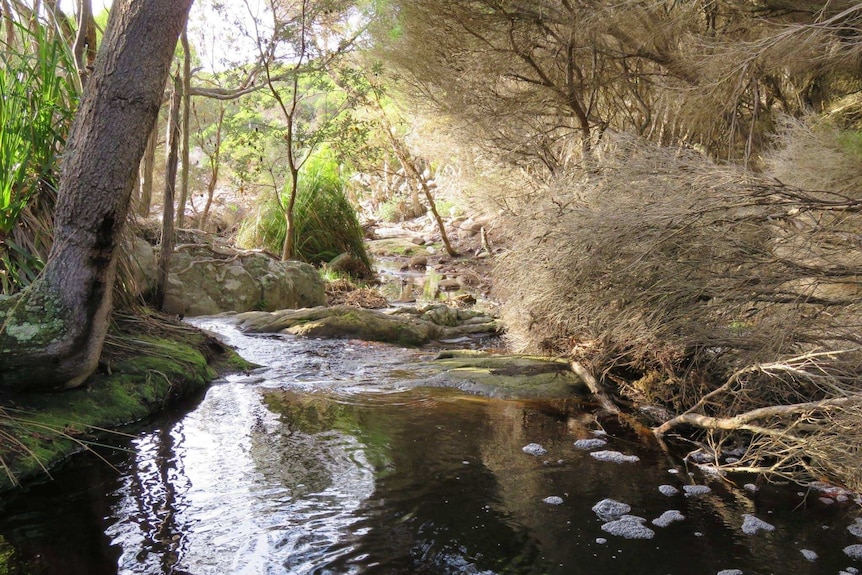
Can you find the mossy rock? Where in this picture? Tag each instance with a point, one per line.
(501, 376)
(146, 366)
(402, 326)
(393, 247)
(342, 321)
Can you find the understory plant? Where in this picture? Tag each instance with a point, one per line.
(325, 222)
(40, 90)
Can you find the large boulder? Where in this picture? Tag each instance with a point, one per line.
(208, 279)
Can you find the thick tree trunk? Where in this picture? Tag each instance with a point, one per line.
(51, 335)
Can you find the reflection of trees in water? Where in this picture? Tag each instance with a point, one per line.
(431, 508)
(154, 489)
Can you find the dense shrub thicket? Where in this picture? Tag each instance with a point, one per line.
(678, 279)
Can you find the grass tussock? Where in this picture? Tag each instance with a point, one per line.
(704, 289)
(325, 222)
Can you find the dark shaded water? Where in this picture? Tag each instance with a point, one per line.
(327, 462)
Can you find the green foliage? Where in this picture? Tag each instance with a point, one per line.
(35, 114)
(39, 91)
(851, 142)
(325, 221)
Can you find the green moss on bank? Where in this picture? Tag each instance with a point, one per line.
(147, 364)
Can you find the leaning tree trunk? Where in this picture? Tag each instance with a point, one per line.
(51, 335)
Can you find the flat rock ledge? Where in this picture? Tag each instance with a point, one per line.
(505, 376)
(409, 326)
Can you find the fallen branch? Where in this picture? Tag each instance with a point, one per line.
(593, 385)
(744, 420)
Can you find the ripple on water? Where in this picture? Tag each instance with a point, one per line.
(240, 491)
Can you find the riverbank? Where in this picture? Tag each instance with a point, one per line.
(150, 361)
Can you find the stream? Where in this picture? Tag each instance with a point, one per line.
(327, 461)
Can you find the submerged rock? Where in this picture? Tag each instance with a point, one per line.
(590, 443)
(615, 457)
(854, 551)
(534, 449)
(553, 500)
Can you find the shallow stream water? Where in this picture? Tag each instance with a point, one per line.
(328, 461)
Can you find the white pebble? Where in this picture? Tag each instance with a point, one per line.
(853, 551)
(590, 443)
(601, 540)
(730, 572)
(629, 527)
(855, 529)
(668, 490)
(852, 570)
(751, 525)
(667, 518)
(534, 449)
(553, 500)
(614, 456)
(695, 490)
(809, 554)
(751, 487)
(608, 509)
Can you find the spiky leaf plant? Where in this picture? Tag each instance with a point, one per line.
(39, 89)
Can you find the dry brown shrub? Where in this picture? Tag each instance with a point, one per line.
(344, 292)
(661, 261)
(810, 154)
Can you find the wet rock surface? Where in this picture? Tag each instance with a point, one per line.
(412, 326)
(506, 376)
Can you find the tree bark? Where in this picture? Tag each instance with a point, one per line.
(187, 84)
(166, 248)
(148, 164)
(51, 335)
(85, 41)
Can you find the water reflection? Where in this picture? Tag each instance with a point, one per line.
(325, 463)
